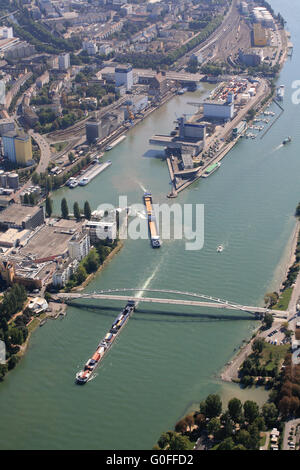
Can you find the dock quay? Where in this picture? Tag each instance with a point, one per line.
(105, 344)
(93, 171)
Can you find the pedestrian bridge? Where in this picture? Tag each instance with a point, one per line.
(206, 300)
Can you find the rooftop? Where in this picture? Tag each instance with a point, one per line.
(17, 213)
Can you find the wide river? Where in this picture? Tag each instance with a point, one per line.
(167, 358)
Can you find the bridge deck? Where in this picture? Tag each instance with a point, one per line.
(193, 303)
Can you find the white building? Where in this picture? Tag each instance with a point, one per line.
(218, 110)
(64, 272)
(64, 61)
(124, 76)
(105, 49)
(101, 230)
(6, 33)
(90, 47)
(79, 246)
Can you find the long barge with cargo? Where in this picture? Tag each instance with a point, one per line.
(154, 235)
(116, 142)
(105, 344)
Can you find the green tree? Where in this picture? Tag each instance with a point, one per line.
(164, 439)
(49, 206)
(81, 274)
(271, 298)
(235, 409)
(12, 362)
(26, 199)
(179, 442)
(87, 210)
(227, 444)
(76, 211)
(64, 209)
(268, 320)
(212, 406)
(16, 336)
(243, 437)
(3, 371)
(92, 261)
(214, 426)
(71, 157)
(251, 411)
(258, 345)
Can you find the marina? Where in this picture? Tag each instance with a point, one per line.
(88, 175)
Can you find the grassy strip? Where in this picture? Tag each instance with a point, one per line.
(284, 300)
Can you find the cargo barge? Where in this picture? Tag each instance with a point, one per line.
(105, 344)
(155, 240)
(116, 142)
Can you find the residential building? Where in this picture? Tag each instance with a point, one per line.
(64, 61)
(64, 272)
(79, 246)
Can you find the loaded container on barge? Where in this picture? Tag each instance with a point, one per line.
(85, 374)
(155, 239)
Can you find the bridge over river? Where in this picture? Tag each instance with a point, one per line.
(207, 301)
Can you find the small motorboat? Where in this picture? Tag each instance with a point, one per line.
(287, 140)
(220, 248)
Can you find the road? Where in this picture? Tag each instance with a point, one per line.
(45, 151)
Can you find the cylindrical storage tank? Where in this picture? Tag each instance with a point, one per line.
(13, 180)
(3, 180)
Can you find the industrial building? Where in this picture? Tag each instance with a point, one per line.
(17, 147)
(124, 76)
(93, 130)
(135, 105)
(218, 110)
(21, 217)
(251, 57)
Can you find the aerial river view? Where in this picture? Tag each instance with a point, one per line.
(168, 358)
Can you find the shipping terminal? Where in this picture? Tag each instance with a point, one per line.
(154, 236)
(86, 373)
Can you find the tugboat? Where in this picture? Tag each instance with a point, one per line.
(287, 140)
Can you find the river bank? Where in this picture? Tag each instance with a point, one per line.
(230, 371)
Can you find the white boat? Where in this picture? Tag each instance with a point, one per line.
(73, 184)
(83, 181)
(220, 248)
(280, 92)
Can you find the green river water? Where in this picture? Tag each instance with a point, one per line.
(167, 358)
